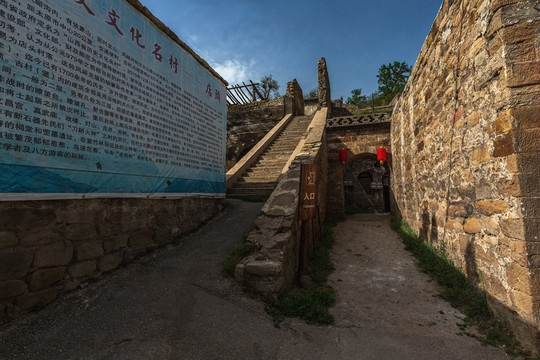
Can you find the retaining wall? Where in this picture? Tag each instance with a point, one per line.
(466, 150)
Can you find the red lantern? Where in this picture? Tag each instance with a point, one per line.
(343, 156)
(381, 155)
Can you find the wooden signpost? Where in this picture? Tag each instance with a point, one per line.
(308, 192)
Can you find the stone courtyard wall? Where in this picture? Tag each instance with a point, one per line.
(466, 150)
(273, 265)
(50, 247)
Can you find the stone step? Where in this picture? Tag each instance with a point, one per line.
(258, 179)
(258, 185)
(250, 191)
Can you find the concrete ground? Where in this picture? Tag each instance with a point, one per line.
(177, 304)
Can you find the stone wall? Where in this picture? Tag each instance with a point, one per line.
(294, 91)
(49, 247)
(325, 99)
(273, 266)
(466, 150)
(247, 124)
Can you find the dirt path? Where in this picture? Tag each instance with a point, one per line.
(177, 304)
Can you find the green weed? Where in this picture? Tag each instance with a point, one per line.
(460, 292)
(238, 252)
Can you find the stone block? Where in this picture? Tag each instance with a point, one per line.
(530, 209)
(8, 239)
(141, 238)
(518, 252)
(513, 228)
(83, 269)
(522, 302)
(12, 288)
(58, 254)
(503, 123)
(510, 186)
(531, 226)
(15, 263)
(517, 277)
(528, 141)
(109, 262)
(117, 242)
(40, 237)
(522, 73)
(31, 301)
(472, 226)
(457, 211)
(88, 251)
(503, 146)
(480, 155)
(19, 218)
(527, 117)
(490, 226)
(42, 279)
(263, 268)
(491, 207)
(80, 232)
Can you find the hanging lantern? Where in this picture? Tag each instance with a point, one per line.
(343, 155)
(381, 155)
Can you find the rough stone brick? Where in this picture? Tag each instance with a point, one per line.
(12, 288)
(491, 207)
(58, 254)
(141, 238)
(115, 243)
(518, 252)
(263, 268)
(42, 279)
(88, 251)
(480, 155)
(503, 123)
(523, 73)
(513, 228)
(32, 300)
(518, 277)
(528, 141)
(80, 232)
(18, 218)
(8, 239)
(83, 269)
(503, 146)
(15, 263)
(510, 186)
(109, 262)
(39, 238)
(472, 226)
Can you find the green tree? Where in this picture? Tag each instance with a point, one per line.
(356, 97)
(392, 79)
(268, 86)
(312, 94)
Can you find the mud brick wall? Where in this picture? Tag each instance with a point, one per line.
(466, 150)
(49, 247)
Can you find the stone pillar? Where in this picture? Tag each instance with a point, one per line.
(324, 86)
(294, 91)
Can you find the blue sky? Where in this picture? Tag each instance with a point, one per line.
(247, 39)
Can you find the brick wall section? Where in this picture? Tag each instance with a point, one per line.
(273, 266)
(294, 91)
(49, 247)
(466, 150)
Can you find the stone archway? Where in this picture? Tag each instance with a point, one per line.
(364, 183)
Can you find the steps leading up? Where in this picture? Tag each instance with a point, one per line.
(261, 178)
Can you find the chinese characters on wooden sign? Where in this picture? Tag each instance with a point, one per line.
(308, 191)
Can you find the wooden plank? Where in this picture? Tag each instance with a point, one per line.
(249, 92)
(256, 89)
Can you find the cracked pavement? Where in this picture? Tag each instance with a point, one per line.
(177, 304)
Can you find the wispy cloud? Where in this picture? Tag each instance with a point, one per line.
(235, 71)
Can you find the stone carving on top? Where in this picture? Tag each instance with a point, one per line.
(356, 120)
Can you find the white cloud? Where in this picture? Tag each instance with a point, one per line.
(235, 71)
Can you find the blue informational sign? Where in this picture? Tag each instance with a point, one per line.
(95, 101)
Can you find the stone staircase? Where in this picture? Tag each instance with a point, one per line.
(261, 178)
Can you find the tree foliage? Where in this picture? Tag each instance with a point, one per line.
(268, 86)
(356, 97)
(392, 78)
(312, 94)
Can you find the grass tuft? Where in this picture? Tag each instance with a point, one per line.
(238, 252)
(312, 301)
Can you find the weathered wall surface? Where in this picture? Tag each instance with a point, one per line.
(247, 124)
(359, 141)
(47, 247)
(273, 266)
(294, 91)
(466, 150)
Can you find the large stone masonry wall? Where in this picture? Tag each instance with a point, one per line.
(466, 150)
(49, 247)
(294, 91)
(273, 265)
